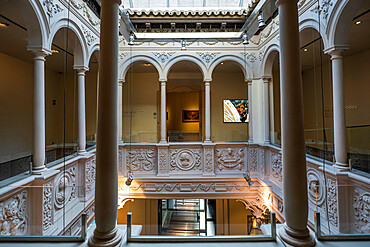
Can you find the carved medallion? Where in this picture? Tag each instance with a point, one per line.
(185, 159)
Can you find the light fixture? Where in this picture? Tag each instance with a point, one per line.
(248, 179)
(3, 24)
(55, 51)
(222, 63)
(183, 45)
(131, 39)
(358, 22)
(147, 64)
(261, 22)
(305, 49)
(130, 178)
(245, 39)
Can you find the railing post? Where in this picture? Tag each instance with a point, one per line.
(273, 225)
(317, 225)
(83, 226)
(129, 225)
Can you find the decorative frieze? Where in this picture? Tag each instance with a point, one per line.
(163, 56)
(85, 11)
(140, 159)
(208, 161)
(13, 215)
(90, 37)
(90, 171)
(51, 8)
(162, 162)
(207, 56)
(185, 159)
(47, 211)
(230, 158)
(361, 210)
(276, 166)
(253, 159)
(323, 9)
(332, 201)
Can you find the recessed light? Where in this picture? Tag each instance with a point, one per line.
(3, 24)
(55, 51)
(305, 49)
(358, 22)
(222, 63)
(147, 64)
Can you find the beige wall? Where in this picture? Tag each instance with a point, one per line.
(91, 103)
(227, 86)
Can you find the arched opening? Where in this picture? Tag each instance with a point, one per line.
(229, 104)
(140, 100)
(185, 98)
(92, 79)
(275, 113)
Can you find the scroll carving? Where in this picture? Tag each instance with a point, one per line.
(230, 158)
(140, 159)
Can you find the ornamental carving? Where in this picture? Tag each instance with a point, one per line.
(120, 165)
(140, 159)
(47, 220)
(65, 187)
(208, 160)
(332, 202)
(185, 159)
(90, 171)
(85, 12)
(162, 160)
(207, 56)
(323, 9)
(276, 166)
(361, 206)
(122, 55)
(230, 158)
(258, 208)
(280, 206)
(51, 8)
(13, 215)
(262, 160)
(90, 38)
(251, 57)
(163, 56)
(301, 3)
(316, 190)
(253, 159)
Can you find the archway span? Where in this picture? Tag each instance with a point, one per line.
(80, 47)
(95, 49)
(128, 63)
(237, 60)
(268, 59)
(180, 58)
(314, 24)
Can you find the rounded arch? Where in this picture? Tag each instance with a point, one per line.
(80, 47)
(247, 71)
(340, 21)
(268, 59)
(126, 64)
(189, 58)
(314, 24)
(94, 48)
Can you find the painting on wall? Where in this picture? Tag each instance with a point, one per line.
(235, 111)
(190, 115)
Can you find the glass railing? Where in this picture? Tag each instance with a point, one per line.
(230, 135)
(140, 137)
(316, 147)
(358, 147)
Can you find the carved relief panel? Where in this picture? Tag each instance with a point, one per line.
(65, 187)
(276, 167)
(230, 159)
(143, 160)
(361, 210)
(185, 160)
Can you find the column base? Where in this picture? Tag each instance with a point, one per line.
(106, 239)
(39, 171)
(250, 140)
(267, 142)
(341, 166)
(82, 152)
(291, 237)
(208, 141)
(163, 141)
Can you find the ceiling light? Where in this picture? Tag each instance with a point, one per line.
(131, 39)
(245, 39)
(55, 51)
(183, 45)
(222, 63)
(147, 64)
(305, 49)
(248, 179)
(358, 22)
(3, 24)
(261, 22)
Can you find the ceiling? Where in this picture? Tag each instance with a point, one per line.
(144, 4)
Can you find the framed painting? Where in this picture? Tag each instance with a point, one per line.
(235, 111)
(190, 115)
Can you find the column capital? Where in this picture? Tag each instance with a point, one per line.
(266, 79)
(40, 54)
(81, 69)
(121, 82)
(336, 51)
(207, 82)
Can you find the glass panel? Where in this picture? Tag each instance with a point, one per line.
(358, 147)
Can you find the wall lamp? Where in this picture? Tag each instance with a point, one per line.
(248, 179)
(183, 45)
(245, 39)
(131, 39)
(261, 22)
(130, 178)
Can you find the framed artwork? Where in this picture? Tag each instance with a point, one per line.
(235, 111)
(190, 115)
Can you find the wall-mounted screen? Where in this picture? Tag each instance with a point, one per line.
(235, 111)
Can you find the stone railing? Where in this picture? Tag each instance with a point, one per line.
(51, 203)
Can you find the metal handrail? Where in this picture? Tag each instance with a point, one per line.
(75, 238)
(172, 239)
(336, 237)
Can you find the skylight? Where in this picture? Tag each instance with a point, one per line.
(147, 4)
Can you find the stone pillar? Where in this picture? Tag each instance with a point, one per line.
(294, 231)
(163, 112)
(207, 119)
(266, 104)
(339, 117)
(39, 111)
(81, 109)
(250, 127)
(106, 232)
(120, 89)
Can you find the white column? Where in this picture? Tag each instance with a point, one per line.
(207, 119)
(339, 117)
(81, 70)
(39, 112)
(120, 88)
(163, 112)
(294, 231)
(250, 125)
(266, 104)
(106, 232)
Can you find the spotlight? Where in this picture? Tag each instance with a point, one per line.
(131, 39)
(3, 24)
(183, 45)
(130, 178)
(358, 22)
(248, 179)
(261, 22)
(305, 49)
(245, 39)
(55, 51)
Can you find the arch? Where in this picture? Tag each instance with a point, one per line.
(94, 48)
(339, 22)
(314, 24)
(126, 64)
(80, 47)
(239, 61)
(268, 59)
(186, 57)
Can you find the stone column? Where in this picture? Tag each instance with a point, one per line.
(106, 232)
(81, 70)
(207, 112)
(294, 231)
(339, 117)
(39, 111)
(120, 89)
(163, 112)
(266, 104)
(250, 127)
